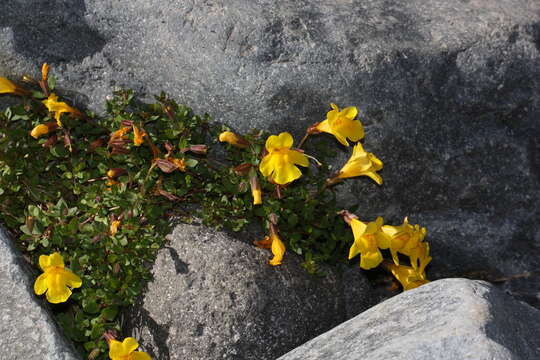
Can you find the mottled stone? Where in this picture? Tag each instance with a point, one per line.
(445, 320)
(214, 297)
(447, 91)
(27, 329)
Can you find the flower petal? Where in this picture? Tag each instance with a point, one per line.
(286, 173)
(350, 112)
(352, 129)
(55, 259)
(370, 260)
(354, 250)
(324, 126)
(116, 349)
(296, 157)
(358, 228)
(71, 279)
(130, 344)
(282, 140)
(40, 286)
(269, 163)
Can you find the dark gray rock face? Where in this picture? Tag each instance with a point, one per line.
(447, 319)
(27, 330)
(214, 297)
(447, 91)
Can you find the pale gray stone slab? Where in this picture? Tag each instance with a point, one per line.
(445, 320)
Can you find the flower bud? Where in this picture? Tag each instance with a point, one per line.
(198, 149)
(255, 190)
(233, 139)
(115, 172)
(43, 129)
(44, 72)
(347, 216)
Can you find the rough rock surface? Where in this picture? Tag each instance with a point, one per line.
(27, 329)
(447, 319)
(213, 297)
(447, 89)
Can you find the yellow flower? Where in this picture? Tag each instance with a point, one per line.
(58, 107)
(362, 163)
(39, 130)
(342, 125)
(7, 87)
(138, 136)
(233, 139)
(125, 350)
(55, 280)
(279, 165)
(406, 239)
(114, 227)
(368, 238)
(412, 277)
(278, 250)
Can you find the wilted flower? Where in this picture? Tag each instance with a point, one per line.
(138, 136)
(406, 239)
(368, 238)
(362, 163)
(58, 107)
(279, 164)
(341, 124)
(125, 350)
(233, 139)
(55, 280)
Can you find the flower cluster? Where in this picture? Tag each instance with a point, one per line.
(372, 237)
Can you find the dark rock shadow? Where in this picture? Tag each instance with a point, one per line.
(50, 30)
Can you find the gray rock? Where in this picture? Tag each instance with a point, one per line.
(447, 89)
(446, 319)
(27, 329)
(214, 297)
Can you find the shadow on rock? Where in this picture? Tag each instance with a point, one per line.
(52, 31)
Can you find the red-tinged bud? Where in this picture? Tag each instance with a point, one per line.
(243, 186)
(166, 166)
(168, 195)
(127, 123)
(44, 72)
(347, 216)
(109, 335)
(67, 141)
(198, 149)
(242, 169)
(94, 354)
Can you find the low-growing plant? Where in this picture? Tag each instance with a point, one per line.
(96, 194)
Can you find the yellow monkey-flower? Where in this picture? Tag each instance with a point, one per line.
(406, 239)
(55, 280)
(279, 165)
(342, 125)
(362, 163)
(59, 107)
(412, 277)
(125, 350)
(368, 238)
